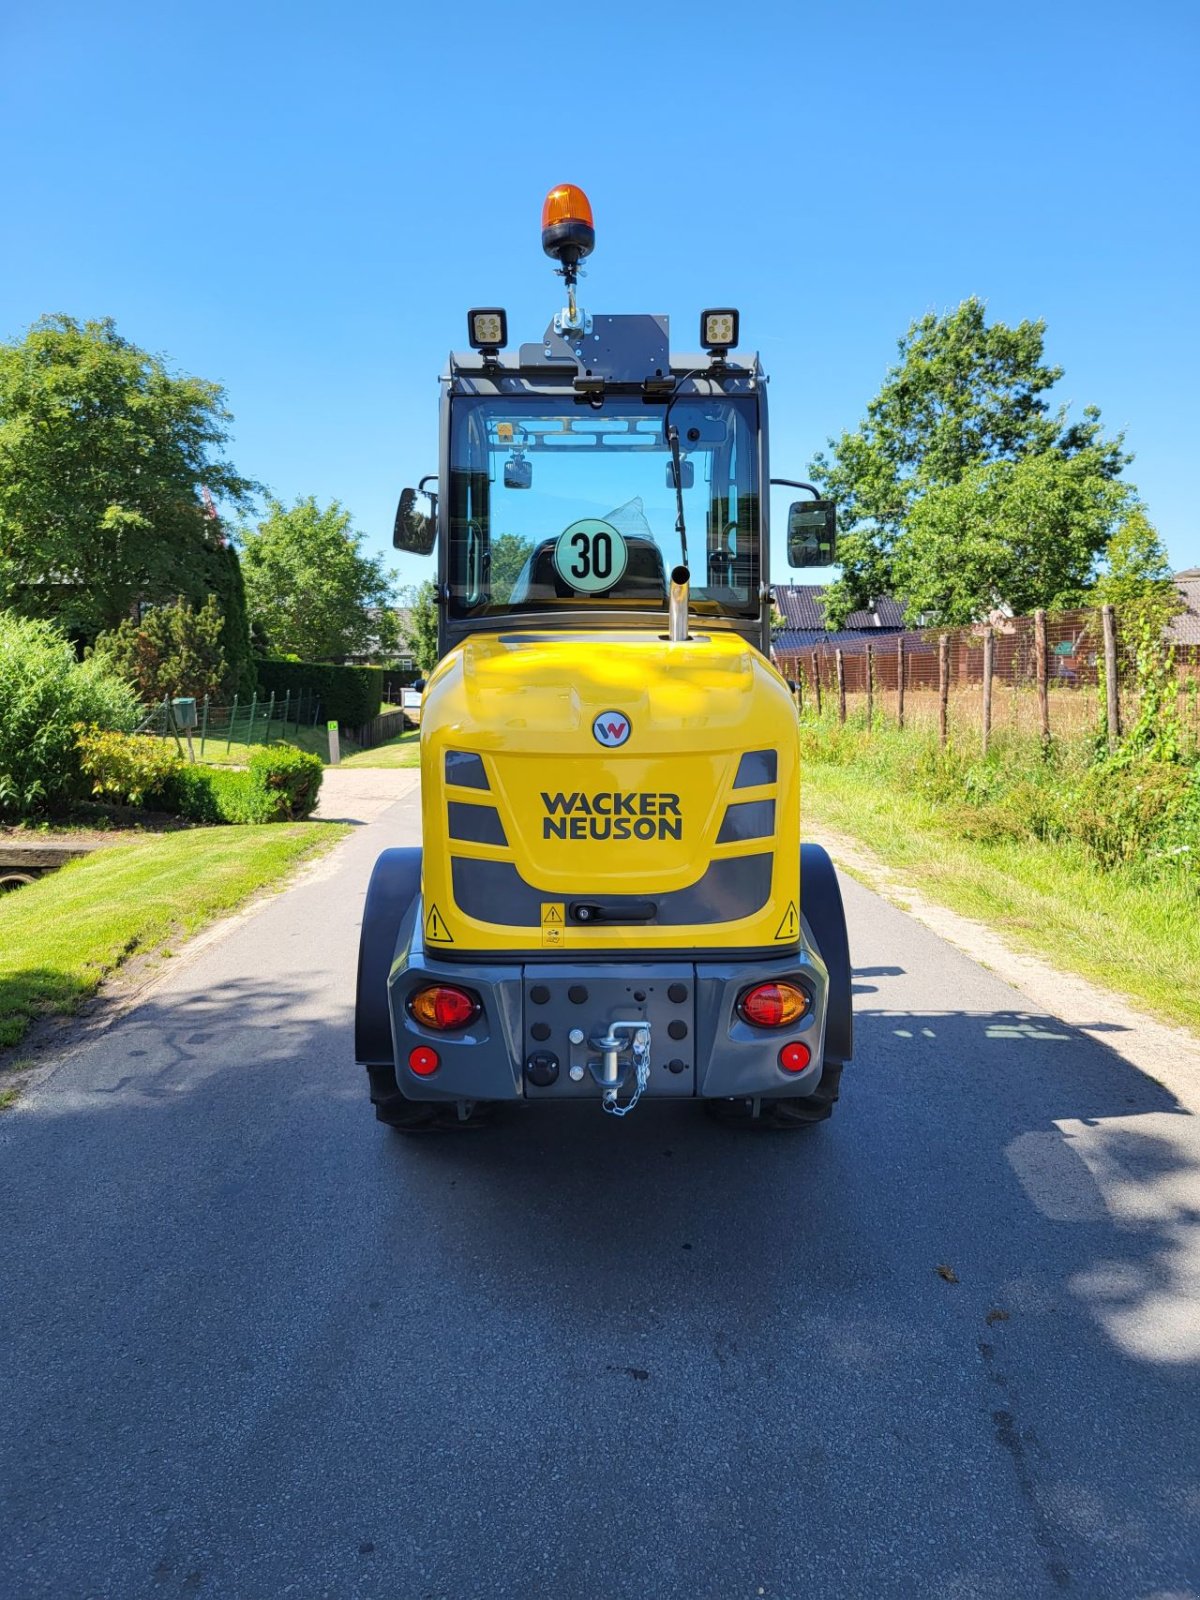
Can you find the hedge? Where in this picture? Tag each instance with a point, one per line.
(349, 696)
(281, 783)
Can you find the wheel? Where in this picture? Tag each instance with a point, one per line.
(418, 1116)
(792, 1111)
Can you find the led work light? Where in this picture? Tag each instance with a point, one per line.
(718, 330)
(487, 328)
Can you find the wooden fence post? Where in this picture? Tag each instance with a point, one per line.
(943, 688)
(840, 663)
(900, 680)
(870, 685)
(799, 688)
(989, 644)
(1111, 690)
(817, 680)
(1043, 688)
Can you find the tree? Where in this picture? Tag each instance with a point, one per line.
(310, 589)
(421, 630)
(509, 555)
(964, 395)
(174, 650)
(1023, 533)
(1137, 579)
(226, 583)
(103, 454)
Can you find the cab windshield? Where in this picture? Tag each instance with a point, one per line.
(555, 505)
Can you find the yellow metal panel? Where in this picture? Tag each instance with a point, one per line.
(586, 821)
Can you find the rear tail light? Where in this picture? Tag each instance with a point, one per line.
(773, 1005)
(442, 1006)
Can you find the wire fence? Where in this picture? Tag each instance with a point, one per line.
(1043, 677)
(258, 720)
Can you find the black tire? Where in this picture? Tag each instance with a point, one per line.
(821, 907)
(418, 1116)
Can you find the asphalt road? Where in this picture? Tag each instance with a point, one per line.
(254, 1344)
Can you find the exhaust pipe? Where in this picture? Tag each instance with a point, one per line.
(677, 606)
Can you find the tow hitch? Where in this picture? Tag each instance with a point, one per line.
(616, 1059)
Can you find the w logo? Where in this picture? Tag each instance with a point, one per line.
(611, 728)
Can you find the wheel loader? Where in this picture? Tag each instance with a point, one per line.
(611, 902)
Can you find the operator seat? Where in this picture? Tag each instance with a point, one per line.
(644, 578)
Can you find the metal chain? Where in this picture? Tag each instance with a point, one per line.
(641, 1062)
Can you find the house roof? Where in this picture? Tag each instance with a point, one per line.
(1185, 628)
(803, 610)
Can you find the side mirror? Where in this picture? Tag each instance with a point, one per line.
(687, 474)
(518, 473)
(414, 531)
(812, 533)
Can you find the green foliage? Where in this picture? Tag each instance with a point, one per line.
(1023, 533)
(174, 650)
(422, 630)
(44, 693)
(281, 783)
(1137, 579)
(349, 696)
(102, 457)
(963, 395)
(1157, 735)
(289, 781)
(310, 589)
(226, 582)
(126, 769)
(1135, 812)
(509, 554)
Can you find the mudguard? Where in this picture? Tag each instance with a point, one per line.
(821, 908)
(395, 884)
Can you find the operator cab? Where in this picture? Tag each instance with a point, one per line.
(580, 472)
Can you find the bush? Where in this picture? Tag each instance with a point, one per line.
(287, 779)
(128, 769)
(281, 785)
(44, 694)
(349, 696)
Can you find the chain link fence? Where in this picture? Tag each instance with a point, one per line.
(256, 720)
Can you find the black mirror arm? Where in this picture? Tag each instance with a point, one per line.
(794, 483)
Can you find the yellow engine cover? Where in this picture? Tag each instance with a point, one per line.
(609, 792)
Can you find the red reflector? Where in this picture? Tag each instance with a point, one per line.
(794, 1057)
(442, 1006)
(424, 1061)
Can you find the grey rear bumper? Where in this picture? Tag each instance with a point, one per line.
(699, 1047)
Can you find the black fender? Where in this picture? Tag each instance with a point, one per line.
(395, 884)
(821, 908)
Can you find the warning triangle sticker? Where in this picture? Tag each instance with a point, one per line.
(436, 930)
(552, 914)
(790, 926)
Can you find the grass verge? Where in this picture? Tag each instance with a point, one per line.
(63, 935)
(1135, 933)
(238, 753)
(402, 751)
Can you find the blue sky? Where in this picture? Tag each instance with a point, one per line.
(302, 201)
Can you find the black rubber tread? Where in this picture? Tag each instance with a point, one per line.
(784, 1114)
(418, 1116)
(821, 907)
(395, 884)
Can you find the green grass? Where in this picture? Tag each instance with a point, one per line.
(63, 935)
(1130, 930)
(402, 751)
(315, 740)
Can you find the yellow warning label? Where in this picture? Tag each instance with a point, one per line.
(552, 938)
(553, 913)
(789, 928)
(436, 931)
